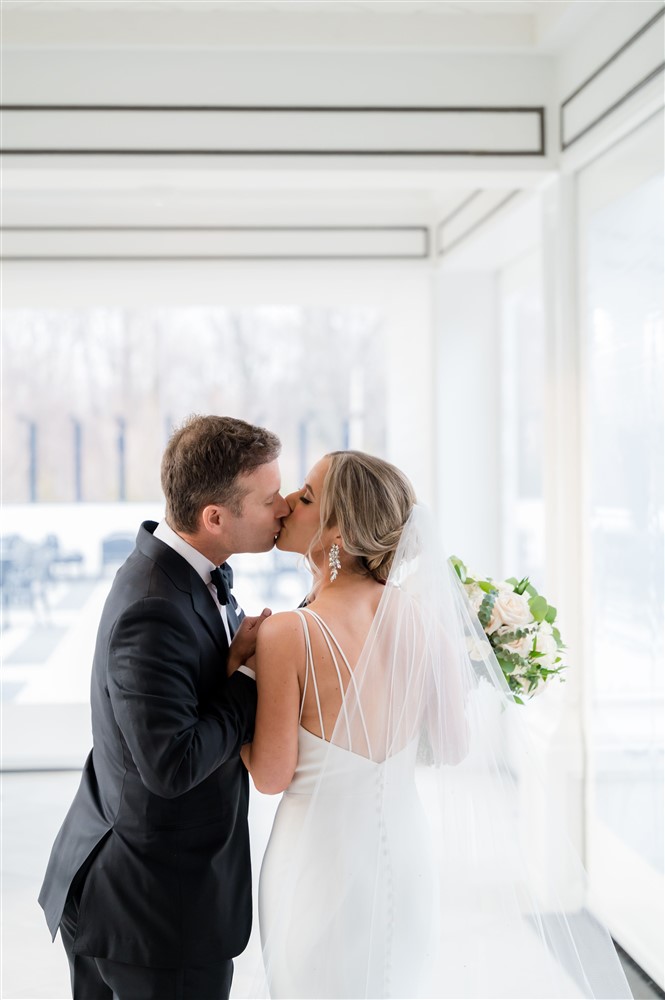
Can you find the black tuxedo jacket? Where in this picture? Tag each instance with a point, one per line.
(160, 815)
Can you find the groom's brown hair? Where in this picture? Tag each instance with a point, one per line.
(203, 461)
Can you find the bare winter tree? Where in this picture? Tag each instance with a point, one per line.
(101, 389)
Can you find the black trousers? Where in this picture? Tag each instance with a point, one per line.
(102, 979)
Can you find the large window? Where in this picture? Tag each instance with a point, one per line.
(90, 397)
(621, 271)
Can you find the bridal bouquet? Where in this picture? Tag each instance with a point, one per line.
(519, 624)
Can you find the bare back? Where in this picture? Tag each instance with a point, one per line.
(348, 615)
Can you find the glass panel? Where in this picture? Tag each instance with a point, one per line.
(90, 398)
(623, 317)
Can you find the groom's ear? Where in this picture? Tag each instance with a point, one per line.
(212, 518)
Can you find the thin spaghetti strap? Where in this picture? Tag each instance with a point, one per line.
(328, 631)
(328, 635)
(339, 675)
(309, 668)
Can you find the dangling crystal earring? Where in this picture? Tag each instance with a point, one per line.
(333, 561)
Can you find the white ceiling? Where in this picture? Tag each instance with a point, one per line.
(207, 195)
(346, 7)
(446, 25)
(56, 192)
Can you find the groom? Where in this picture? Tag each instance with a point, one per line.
(149, 876)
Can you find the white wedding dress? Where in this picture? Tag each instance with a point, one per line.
(330, 934)
(402, 862)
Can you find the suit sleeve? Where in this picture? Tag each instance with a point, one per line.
(152, 668)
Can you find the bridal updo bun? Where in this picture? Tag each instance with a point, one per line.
(370, 502)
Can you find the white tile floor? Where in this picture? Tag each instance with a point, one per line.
(33, 806)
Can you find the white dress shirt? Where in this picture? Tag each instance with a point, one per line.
(201, 565)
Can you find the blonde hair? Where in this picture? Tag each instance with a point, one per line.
(369, 500)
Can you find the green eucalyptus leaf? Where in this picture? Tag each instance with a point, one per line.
(459, 567)
(538, 607)
(485, 609)
(505, 664)
(506, 637)
(551, 614)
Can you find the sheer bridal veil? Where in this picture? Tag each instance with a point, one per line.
(414, 867)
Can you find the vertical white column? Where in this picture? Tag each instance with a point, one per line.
(468, 416)
(556, 721)
(410, 376)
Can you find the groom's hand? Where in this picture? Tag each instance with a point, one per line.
(244, 641)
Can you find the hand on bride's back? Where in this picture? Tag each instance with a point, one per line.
(244, 641)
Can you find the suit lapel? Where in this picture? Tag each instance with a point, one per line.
(208, 612)
(186, 579)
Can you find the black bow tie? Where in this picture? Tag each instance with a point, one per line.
(223, 581)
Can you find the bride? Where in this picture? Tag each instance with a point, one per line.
(398, 863)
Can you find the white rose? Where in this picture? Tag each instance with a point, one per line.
(476, 648)
(522, 647)
(475, 595)
(509, 609)
(546, 644)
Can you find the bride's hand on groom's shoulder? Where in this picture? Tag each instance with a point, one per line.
(244, 641)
